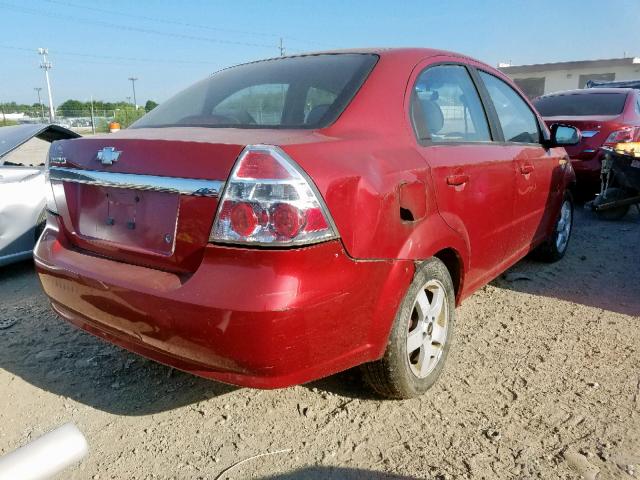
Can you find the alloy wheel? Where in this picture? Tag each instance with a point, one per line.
(427, 331)
(563, 228)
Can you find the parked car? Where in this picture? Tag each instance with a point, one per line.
(614, 84)
(605, 116)
(23, 151)
(290, 218)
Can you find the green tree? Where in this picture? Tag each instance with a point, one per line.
(150, 105)
(128, 114)
(74, 108)
(13, 107)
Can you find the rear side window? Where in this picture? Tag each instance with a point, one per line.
(519, 123)
(295, 92)
(581, 104)
(446, 106)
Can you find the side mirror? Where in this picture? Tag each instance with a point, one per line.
(564, 135)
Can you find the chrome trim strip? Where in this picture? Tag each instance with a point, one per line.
(134, 181)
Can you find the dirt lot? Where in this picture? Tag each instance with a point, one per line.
(543, 381)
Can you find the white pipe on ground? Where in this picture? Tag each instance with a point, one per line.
(46, 456)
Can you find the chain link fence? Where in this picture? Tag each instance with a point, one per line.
(82, 121)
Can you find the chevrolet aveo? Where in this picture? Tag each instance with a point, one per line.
(291, 218)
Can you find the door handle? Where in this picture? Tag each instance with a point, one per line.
(526, 169)
(457, 180)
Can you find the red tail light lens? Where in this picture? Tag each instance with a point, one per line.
(243, 219)
(269, 200)
(287, 220)
(623, 135)
(261, 165)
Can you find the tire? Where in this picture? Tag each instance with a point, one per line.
(405, 371)
(554, 247)
(612, 194)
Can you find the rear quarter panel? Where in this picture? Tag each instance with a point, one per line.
(368, 165)
(365, 199)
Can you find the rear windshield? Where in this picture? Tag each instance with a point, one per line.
(581, 104)
(297, 92)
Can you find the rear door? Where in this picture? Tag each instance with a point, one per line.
(538, 171)
(472, 176)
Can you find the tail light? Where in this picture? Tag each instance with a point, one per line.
(268, 200)
(627, 134)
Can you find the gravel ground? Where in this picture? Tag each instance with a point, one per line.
(543, 381)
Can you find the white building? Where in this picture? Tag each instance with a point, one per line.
(14, 116)
(536, 80)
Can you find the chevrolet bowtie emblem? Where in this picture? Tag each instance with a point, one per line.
(108, 155)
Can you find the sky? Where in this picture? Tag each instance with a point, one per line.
(169, 44)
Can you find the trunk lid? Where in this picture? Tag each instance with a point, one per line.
(140, 196)
(595, 131)
(132, 217)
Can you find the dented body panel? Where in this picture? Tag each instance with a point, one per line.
(251, 317)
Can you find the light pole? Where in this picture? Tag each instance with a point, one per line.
(37, 89)
(93, 119)
(133, 85)
(46, 66)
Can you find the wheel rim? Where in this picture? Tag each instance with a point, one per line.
(563, 228)
(428, 326)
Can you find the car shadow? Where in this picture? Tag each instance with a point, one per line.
(598, 270)
(349, 383)
(52, 355)
(335, 473)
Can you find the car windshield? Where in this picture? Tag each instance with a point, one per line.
(296, 92)
(581, 104)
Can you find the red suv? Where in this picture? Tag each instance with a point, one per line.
(605, 116)
(290, 218)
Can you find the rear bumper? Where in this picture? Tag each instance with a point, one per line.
(587, 172)
(257, 318)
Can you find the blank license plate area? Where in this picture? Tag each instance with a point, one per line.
(134, 219)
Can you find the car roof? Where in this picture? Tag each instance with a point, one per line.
(587, 91)
(415, 54)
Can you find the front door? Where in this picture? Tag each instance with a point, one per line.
(538, 170)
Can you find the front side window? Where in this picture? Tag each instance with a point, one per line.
(317, 103)
(446, 106)
(519, 123)
(294, 92)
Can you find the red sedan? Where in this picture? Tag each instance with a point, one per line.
(291, 218)
(605, 116)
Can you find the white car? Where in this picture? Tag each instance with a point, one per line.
(23, 150)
